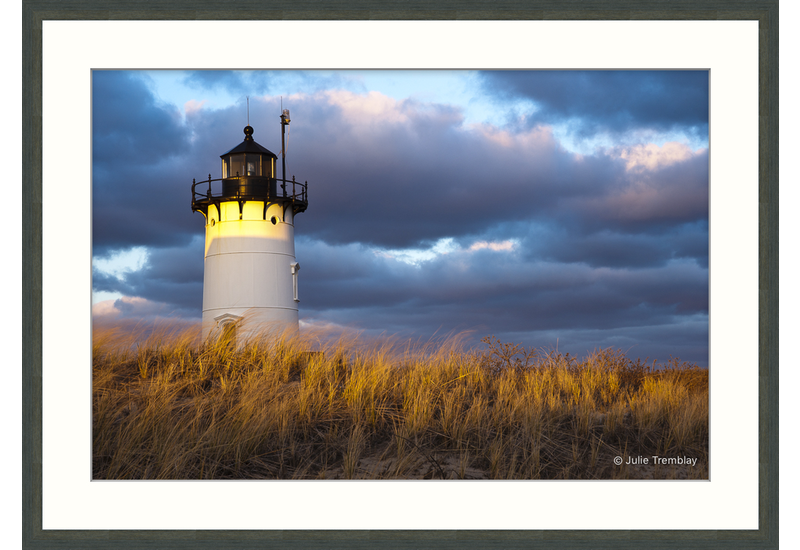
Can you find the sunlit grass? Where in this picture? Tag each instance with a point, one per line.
(291, 406)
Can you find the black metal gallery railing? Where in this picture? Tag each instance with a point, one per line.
(248, 188)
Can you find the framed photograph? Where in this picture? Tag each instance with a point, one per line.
(735, 506)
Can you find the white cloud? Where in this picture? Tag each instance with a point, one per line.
(651, 157)
(497, 246)
(443, 247)
(417, 256)
(193, 105)
(369, 107)
(121, 262)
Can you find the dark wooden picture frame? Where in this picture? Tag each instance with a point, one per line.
(764, 11)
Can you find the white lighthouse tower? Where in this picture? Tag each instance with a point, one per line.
(250, 274)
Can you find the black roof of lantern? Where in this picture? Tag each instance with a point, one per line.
(290, 193)
(249, 145)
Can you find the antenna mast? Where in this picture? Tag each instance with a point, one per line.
(284, 123)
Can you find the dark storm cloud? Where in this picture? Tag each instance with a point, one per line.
(178, 265)
(647, 200)
(607, 248)
(228, 80)
(139, 147)
(104, 282)
(613, 101)
(141, 205)
(128, 124)
(426, 177)
(470, 288)
(686, 338)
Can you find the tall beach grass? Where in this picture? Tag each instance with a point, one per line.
(308, 406)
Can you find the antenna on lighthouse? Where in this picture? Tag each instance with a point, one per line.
(248, 110)
(284, 123)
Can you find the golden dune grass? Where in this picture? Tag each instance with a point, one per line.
(289, 406)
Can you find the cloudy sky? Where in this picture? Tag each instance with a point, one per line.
(560, 209)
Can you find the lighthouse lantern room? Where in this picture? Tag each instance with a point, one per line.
(250, 273)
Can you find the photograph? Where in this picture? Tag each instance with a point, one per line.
(462, 275)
